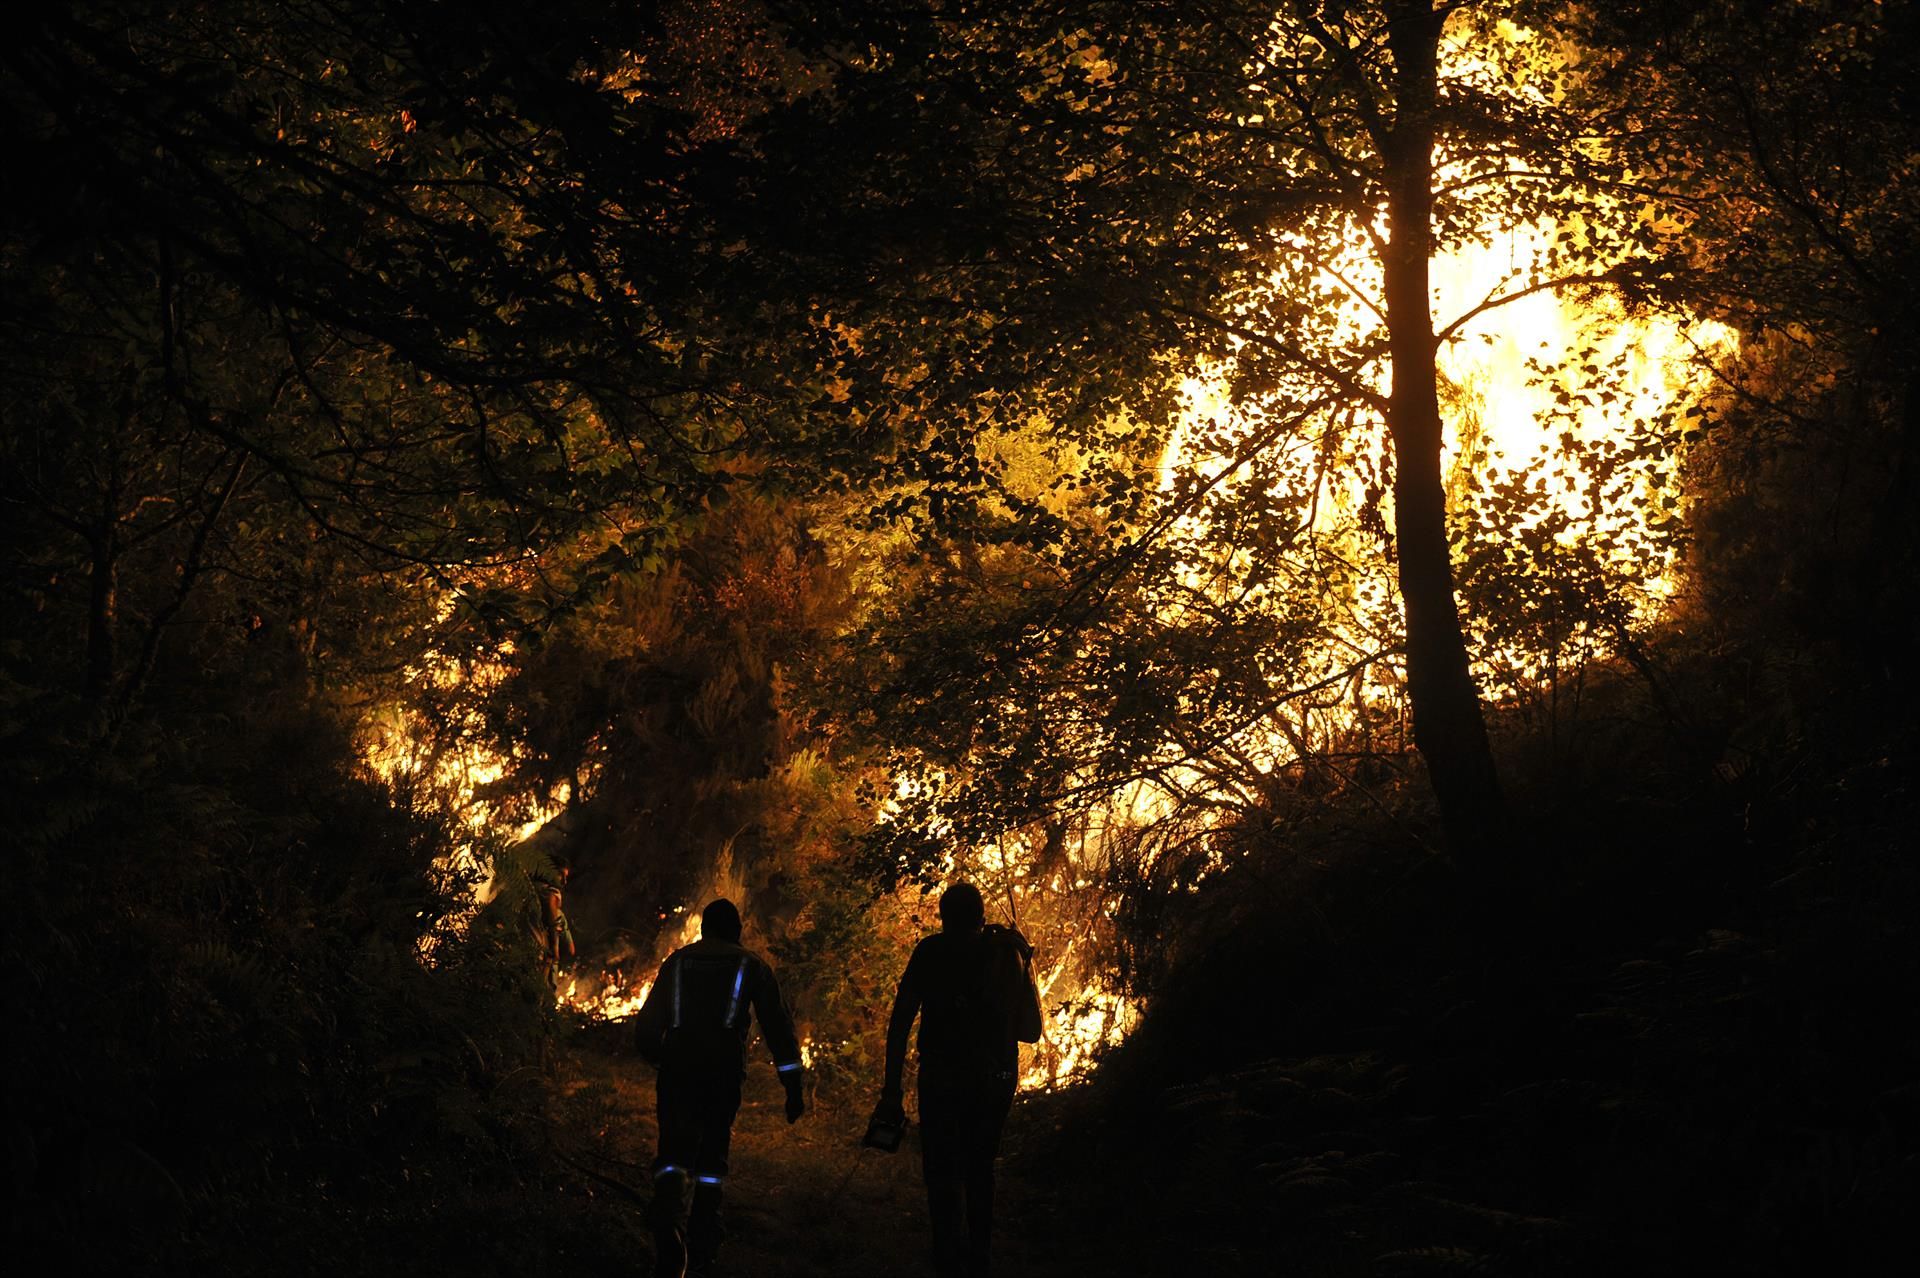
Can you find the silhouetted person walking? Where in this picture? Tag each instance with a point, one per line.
(972, 990)
(693, 1028)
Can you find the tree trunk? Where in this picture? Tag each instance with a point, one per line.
(1893, 536)
(1448, 727)
(102, 607)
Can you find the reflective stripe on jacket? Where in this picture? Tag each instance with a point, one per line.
(702, 1004)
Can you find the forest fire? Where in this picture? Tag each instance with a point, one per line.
(606, 998)
(1514, 420)
(619, 992)
(1378, 535)
(1078, 1031)
(452, 772)
(1523, 421)
(1555, 444)
(1561, 452)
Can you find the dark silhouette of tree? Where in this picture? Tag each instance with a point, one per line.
(1784, 137)
(437, 288)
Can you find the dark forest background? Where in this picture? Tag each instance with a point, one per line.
(741, 422)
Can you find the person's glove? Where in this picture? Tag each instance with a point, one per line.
(796, 1095)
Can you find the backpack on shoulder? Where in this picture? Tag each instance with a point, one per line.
(1015, 994)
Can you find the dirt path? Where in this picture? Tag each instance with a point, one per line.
(806, 1201)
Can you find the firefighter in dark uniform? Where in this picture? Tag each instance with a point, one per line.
(971, 985)
(693, 1028)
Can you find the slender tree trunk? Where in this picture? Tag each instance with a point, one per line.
(1889, 633)
(1448, 726)
(189, 573)
(102, 606)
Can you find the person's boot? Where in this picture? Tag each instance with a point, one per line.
(669, 1254)
(704, 1232)
(669, 1239)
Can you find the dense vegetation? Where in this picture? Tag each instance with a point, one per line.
(812, 451)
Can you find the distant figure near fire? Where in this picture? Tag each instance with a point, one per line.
(549, 925)
(693, 1028)
(971, 985)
